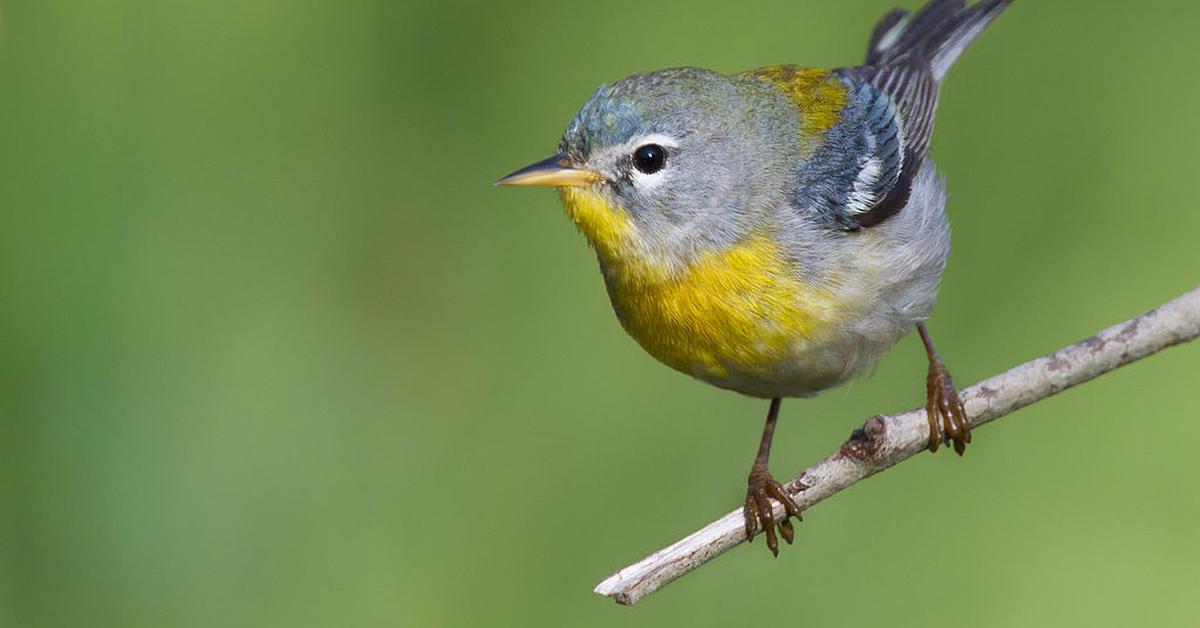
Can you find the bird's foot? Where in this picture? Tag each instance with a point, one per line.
(945, 410)
(761, 488)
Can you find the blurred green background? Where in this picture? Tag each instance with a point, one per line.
(274, 351)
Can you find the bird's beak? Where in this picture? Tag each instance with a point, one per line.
(552, 172)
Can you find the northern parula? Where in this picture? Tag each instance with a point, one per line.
(774, 231)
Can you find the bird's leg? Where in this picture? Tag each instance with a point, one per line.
(942, 405)
(762, 487)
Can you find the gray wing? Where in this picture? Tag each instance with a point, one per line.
(912, 92)
(862, 164)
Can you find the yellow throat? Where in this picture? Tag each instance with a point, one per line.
(738, 311)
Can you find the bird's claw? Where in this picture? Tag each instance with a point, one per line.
(945, 410)
(759, 514)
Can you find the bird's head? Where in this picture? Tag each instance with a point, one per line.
(659, 167)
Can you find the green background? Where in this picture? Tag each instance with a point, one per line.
(275, 352)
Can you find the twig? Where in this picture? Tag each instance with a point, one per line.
(886, 440)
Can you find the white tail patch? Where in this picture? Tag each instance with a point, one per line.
(889, 38)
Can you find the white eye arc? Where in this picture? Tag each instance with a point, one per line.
(665, 141)
(642, 178)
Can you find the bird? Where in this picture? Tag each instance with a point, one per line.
(775, 231)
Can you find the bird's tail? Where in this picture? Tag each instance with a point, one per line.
(939, 32)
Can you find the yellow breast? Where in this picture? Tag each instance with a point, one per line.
(741, 309)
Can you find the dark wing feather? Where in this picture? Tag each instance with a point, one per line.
(906, 63)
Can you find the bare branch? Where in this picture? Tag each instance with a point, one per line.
(886, 440)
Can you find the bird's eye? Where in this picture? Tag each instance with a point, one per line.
(649, 158)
